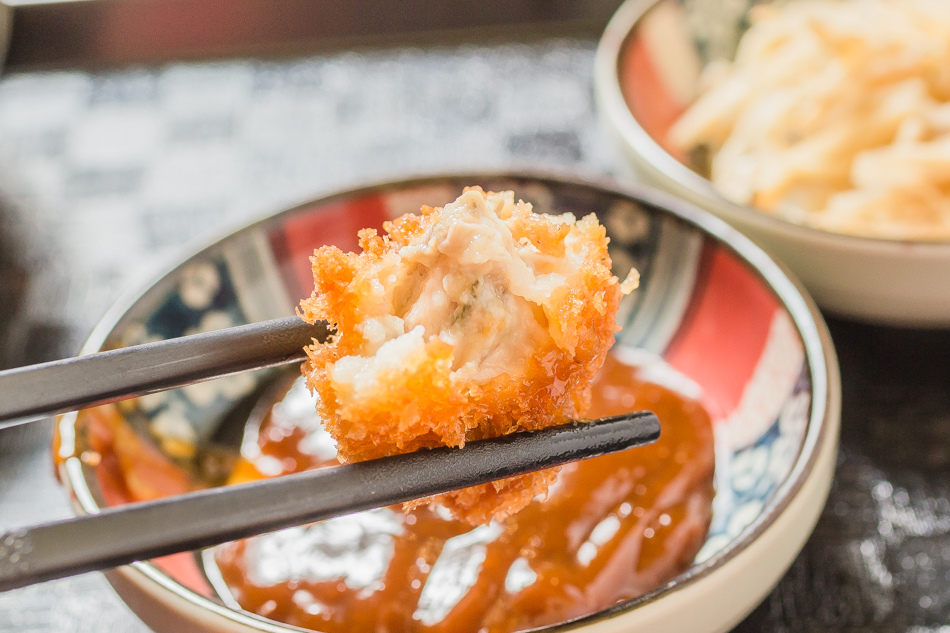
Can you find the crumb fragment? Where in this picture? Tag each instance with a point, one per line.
(631, 282)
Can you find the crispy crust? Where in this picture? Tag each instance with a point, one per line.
(421, 401)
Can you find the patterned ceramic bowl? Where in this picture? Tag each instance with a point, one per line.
(711, 305)
(647, 71)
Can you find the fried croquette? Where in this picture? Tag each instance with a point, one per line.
(472, 320)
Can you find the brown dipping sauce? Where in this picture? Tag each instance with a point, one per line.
(611, 529)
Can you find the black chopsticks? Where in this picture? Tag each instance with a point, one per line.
(117, 536)
(28, 393)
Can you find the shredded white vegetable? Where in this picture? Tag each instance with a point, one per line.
(834, 114)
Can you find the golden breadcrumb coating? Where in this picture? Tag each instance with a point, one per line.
(469, 321)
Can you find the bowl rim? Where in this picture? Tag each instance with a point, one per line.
(816, 340)
(619, 31)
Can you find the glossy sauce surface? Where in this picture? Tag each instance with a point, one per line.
(611, 528)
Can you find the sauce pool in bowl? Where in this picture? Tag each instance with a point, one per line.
(612, 528)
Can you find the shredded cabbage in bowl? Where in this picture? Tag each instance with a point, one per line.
(835, 115)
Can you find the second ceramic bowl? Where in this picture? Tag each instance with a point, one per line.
(647, 68)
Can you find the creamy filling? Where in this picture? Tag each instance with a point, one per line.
(470, 283)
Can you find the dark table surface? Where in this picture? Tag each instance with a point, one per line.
(105, 177)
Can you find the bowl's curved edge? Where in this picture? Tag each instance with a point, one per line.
(164, 608)
(865, 291)
(821, 437)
